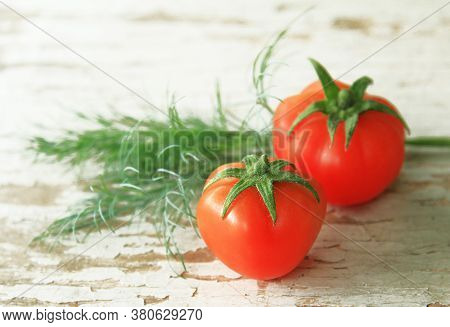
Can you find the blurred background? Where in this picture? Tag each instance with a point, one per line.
(155, 47)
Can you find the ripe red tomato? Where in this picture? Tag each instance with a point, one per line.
(247, 239)
(350, 173)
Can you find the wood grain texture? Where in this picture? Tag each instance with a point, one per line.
(391, 252)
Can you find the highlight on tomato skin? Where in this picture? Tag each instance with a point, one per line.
(247, 239)
(350, 141)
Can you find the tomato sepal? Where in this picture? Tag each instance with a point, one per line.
(380, 107)
(318, 106)
(344, 104)
(260, 173)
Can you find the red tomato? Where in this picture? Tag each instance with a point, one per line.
(246, 239)
(349, 176)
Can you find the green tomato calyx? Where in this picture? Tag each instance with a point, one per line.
(261, 173)
(343, 104)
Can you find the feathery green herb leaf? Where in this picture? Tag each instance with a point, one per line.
(150, 170)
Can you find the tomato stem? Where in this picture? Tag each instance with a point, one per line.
(344, 99)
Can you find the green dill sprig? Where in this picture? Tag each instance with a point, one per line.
(263, 67)
(429, 141)
(150, 170)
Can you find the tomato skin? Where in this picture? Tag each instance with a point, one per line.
(246, 240)
(353, 176)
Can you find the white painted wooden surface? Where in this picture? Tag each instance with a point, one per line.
(185, 46)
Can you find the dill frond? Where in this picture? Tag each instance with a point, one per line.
(263, 68)
(219, 108)
(151, 170)
(155, 170)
